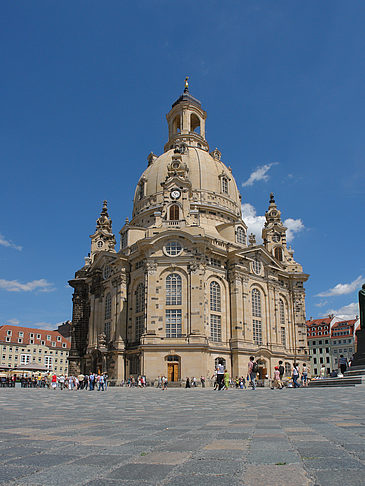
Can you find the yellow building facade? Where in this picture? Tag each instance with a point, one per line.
(188, 287)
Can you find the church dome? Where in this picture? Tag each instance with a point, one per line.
(188, 167)
(208, 176)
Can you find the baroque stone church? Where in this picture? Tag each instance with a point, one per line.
(188, 287)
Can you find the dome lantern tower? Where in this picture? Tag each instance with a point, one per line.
(186, 122)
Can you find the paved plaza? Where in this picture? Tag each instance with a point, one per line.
(183, 437)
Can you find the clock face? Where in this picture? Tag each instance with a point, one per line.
(276, 237)
(175, 194)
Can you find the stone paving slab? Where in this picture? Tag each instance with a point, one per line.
(126, 437)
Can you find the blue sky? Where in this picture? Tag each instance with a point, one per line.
(85, 87)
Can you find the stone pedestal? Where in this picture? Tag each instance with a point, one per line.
(359, 357)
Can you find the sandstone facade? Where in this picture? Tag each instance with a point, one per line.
(188, 286)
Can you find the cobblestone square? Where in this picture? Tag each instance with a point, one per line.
(301, 437)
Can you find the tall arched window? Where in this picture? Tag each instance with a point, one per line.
(215, 306)
(141, 190)
(140, 298)
(282, 312)
(174, 212)
(278, 254)
(108, 306)
(256, 303)
(241, 235)
(215, 297)
(256, 312)
(173, 289)
(139, 310)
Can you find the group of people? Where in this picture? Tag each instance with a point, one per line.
(193, 382)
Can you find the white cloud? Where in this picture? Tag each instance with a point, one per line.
(321, 304)
(46, 326)
(259, 174)
(255, 223)
(14, 322)
(9, 244)
(14, 286)
(294, 226)
(349, 311)
(342, 289)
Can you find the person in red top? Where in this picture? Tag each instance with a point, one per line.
(54, 381)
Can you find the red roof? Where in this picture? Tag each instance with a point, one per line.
(56, 337)
(350, 322)
(319, 322)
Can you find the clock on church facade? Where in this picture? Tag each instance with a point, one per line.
(188, 288)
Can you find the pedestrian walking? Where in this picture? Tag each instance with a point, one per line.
(187, 383)
(295, 376)
(305, 375)
(226, 380)
(342, 363)
(252, 372)
(277, 382)
(202, 381)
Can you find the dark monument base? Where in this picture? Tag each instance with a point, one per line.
(359, 356)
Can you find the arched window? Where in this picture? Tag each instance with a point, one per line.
(215, 297)
(219, 361)
(224, 184)
(194, 123)
(241, 235)
(176, 125)
(282, 312)
(108, 306)
(173, 289)
(140, 298)
(174, 212)
(141, 190)
(278, 254)
(256, 303)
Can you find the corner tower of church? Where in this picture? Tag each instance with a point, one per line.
(185, 291)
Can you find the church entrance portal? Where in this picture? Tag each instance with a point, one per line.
(172, 372)
(173, 368)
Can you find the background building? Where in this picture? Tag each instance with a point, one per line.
(328, 338)
(25, 345)
(188, 288)
(343, 340)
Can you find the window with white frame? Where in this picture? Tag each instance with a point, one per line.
(215, 297)
(139, 327)
(173, 248)
(256, 265)
(21, 334)
(108, 306)
(173, 289)
(257, 331)
(215, 328)
(224, 185)
(241, 235)
(283, 336)
(48, 362)
(282, 312)
(25, 359)
(8, 332)
(49, 337)
(256, 303)
(58, 338)
(140, 298)
(173, 323)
